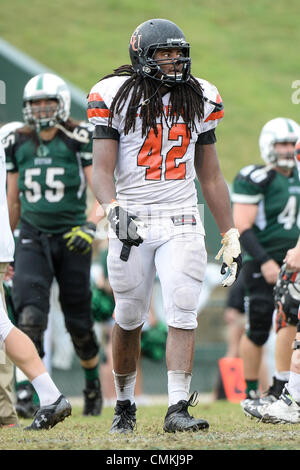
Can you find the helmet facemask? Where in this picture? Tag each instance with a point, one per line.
(152, 67)
(284, 160)
(43, 117)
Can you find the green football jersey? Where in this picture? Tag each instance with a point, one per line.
(277, 224)
(52, 187)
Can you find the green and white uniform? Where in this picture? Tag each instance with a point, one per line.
(277, 224)
(53, 200)
(52, 187)
(277, 230)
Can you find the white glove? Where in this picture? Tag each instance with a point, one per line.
(232, 259)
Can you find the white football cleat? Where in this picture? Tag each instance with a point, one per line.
(284, 410)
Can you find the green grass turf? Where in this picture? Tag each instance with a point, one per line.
(229, 430)
(248, 49)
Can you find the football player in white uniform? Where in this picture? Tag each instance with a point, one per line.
(154, 126)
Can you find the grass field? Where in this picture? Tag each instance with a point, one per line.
(229, 430)
(249, 49)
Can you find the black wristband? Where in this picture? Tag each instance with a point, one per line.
(251, 244)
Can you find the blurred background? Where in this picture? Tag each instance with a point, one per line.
(248, 49)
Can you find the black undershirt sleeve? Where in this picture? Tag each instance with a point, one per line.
(206, 138)
(105, 132)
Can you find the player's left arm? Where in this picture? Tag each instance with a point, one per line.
(216, 194)
(214, 187)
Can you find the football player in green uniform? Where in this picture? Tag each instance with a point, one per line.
(49, 163)
(266, 202)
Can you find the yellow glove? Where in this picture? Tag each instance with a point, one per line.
(80, 238)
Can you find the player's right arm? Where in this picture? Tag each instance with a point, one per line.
(13, 200)
(105, 153)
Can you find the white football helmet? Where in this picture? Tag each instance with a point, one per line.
(8, 128)
(276, 131)
(46, 86)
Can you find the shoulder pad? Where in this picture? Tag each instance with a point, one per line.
(81, 133)
(14, 138)
(258, 175)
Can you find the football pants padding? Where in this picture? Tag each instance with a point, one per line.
(260, 319)
(181, 267)
(33, 322)
(85, 343)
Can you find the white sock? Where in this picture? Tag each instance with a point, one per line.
(125, 384)
(46, 389)
(179, 383)
(283, 375)
(294, 385)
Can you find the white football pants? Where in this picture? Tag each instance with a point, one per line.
(178, 254)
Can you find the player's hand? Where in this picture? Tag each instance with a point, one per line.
(80, 238)
(128, 228)
(292, 259)
(232, 258)
(270, 270)
(9, 273)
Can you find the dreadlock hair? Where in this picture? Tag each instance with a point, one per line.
(186, 100)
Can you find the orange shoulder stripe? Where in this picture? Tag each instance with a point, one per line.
(97, 112)
(94, 97)
(214, 116)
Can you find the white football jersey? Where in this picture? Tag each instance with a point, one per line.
(154, 170)
(7, 244)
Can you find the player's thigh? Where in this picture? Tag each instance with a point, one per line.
(132, 282)
(181, 265)
(260, 304)
(33, 275)
(72, 272)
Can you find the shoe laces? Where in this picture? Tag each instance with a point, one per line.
(182, 405)
(126, 413)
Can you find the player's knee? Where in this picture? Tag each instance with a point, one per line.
(130, 313)
(184, 312)
(84, 342)
(258, 337)
(33, 322)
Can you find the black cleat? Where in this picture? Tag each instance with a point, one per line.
(178, 418)
(48, 416)
(124, 419)
(25, 407)
(93, 400)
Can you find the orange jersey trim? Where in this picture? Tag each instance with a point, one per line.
(96, 112)
(214, 116)
(94, 97)
(218, 114)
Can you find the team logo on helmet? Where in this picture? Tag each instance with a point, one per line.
(135, 40)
